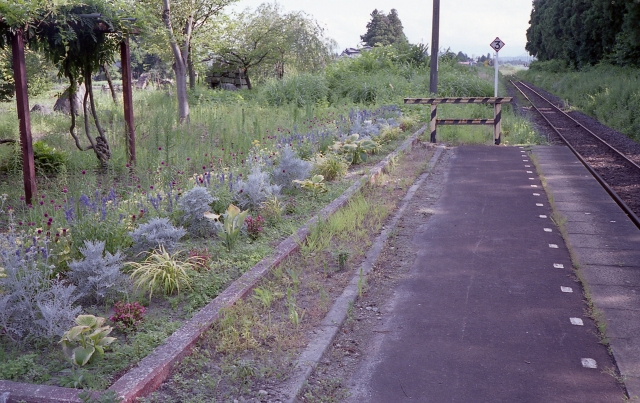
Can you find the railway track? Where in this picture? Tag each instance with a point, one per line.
(617, 172)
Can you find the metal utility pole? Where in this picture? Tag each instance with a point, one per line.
(435, 46)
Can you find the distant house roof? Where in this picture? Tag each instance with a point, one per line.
(353, 52)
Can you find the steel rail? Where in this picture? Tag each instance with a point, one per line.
(634, 218)
(578, 123)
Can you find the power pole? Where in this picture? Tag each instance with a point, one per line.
(435, 46)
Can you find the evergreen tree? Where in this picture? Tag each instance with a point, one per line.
(584, 32)
(384, 29)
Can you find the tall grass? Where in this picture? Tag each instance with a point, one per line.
(611, 94)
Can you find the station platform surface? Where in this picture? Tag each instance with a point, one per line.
(492, 309)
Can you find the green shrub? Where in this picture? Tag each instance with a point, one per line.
(331, 166)
(300, 90)
(47, 160)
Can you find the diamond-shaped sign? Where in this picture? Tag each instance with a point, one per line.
(497, 44)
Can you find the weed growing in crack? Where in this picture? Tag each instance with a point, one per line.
(362, 283)
(294, 317)
(264, 296)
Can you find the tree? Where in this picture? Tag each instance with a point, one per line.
(268, 37)
(183, 22)
(384, 29)
(584, 32)
(39, 72)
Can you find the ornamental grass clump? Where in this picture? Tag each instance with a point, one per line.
(331, 166)
(162, 271)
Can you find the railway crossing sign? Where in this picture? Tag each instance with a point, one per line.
(497, 44)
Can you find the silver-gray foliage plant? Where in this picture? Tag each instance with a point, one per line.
(256, 189)
(157, 232)
(290, 168)
(30, 303)
(194, 204)
(57, 310)
(98, 275)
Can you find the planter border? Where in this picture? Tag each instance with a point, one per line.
(153, 369)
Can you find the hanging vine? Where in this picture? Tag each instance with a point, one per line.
(79, 38)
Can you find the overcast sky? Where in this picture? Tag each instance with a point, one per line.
(465, 25)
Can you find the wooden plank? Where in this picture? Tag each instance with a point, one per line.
(459, 100)
(22, 104)
(465, 121)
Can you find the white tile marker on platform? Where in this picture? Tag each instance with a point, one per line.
(576, 321)
(548, 230)
(558, 266)
(589, 363)
(566, 289)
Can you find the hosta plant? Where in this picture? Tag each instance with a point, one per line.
(233, 221)
(357, 150)
(163, 271)
(86, 341)
(315, 185)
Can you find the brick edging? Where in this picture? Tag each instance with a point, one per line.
(153, 369)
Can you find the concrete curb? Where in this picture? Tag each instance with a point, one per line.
(152, 370)
(311, 356)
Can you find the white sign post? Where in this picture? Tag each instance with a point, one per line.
(496, 45)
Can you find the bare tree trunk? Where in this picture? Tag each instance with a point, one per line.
(192, 72)
(180, 65)
(246, 75)
(110, 82)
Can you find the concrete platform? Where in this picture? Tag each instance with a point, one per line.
(485, 312)
(606, 245)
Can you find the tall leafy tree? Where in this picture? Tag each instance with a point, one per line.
(268, 37)
(384, 29)
(583, 32)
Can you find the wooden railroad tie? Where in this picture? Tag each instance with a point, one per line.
(434, 102)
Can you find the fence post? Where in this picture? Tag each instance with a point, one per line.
(434, 125)
(22, 104)
(127, 94)
(497, 115)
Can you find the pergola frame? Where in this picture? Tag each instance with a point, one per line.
(24, 115)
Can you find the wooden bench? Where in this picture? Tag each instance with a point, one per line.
(434, 102)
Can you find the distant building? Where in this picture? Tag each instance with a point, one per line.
(353, 52)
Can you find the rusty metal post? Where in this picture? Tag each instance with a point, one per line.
(127, 93)
(434, 122)
(497, 127)
(22, 103)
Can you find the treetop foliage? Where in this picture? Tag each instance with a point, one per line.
(585, 32)
(384, 29)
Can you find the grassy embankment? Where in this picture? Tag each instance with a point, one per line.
(610, 94)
